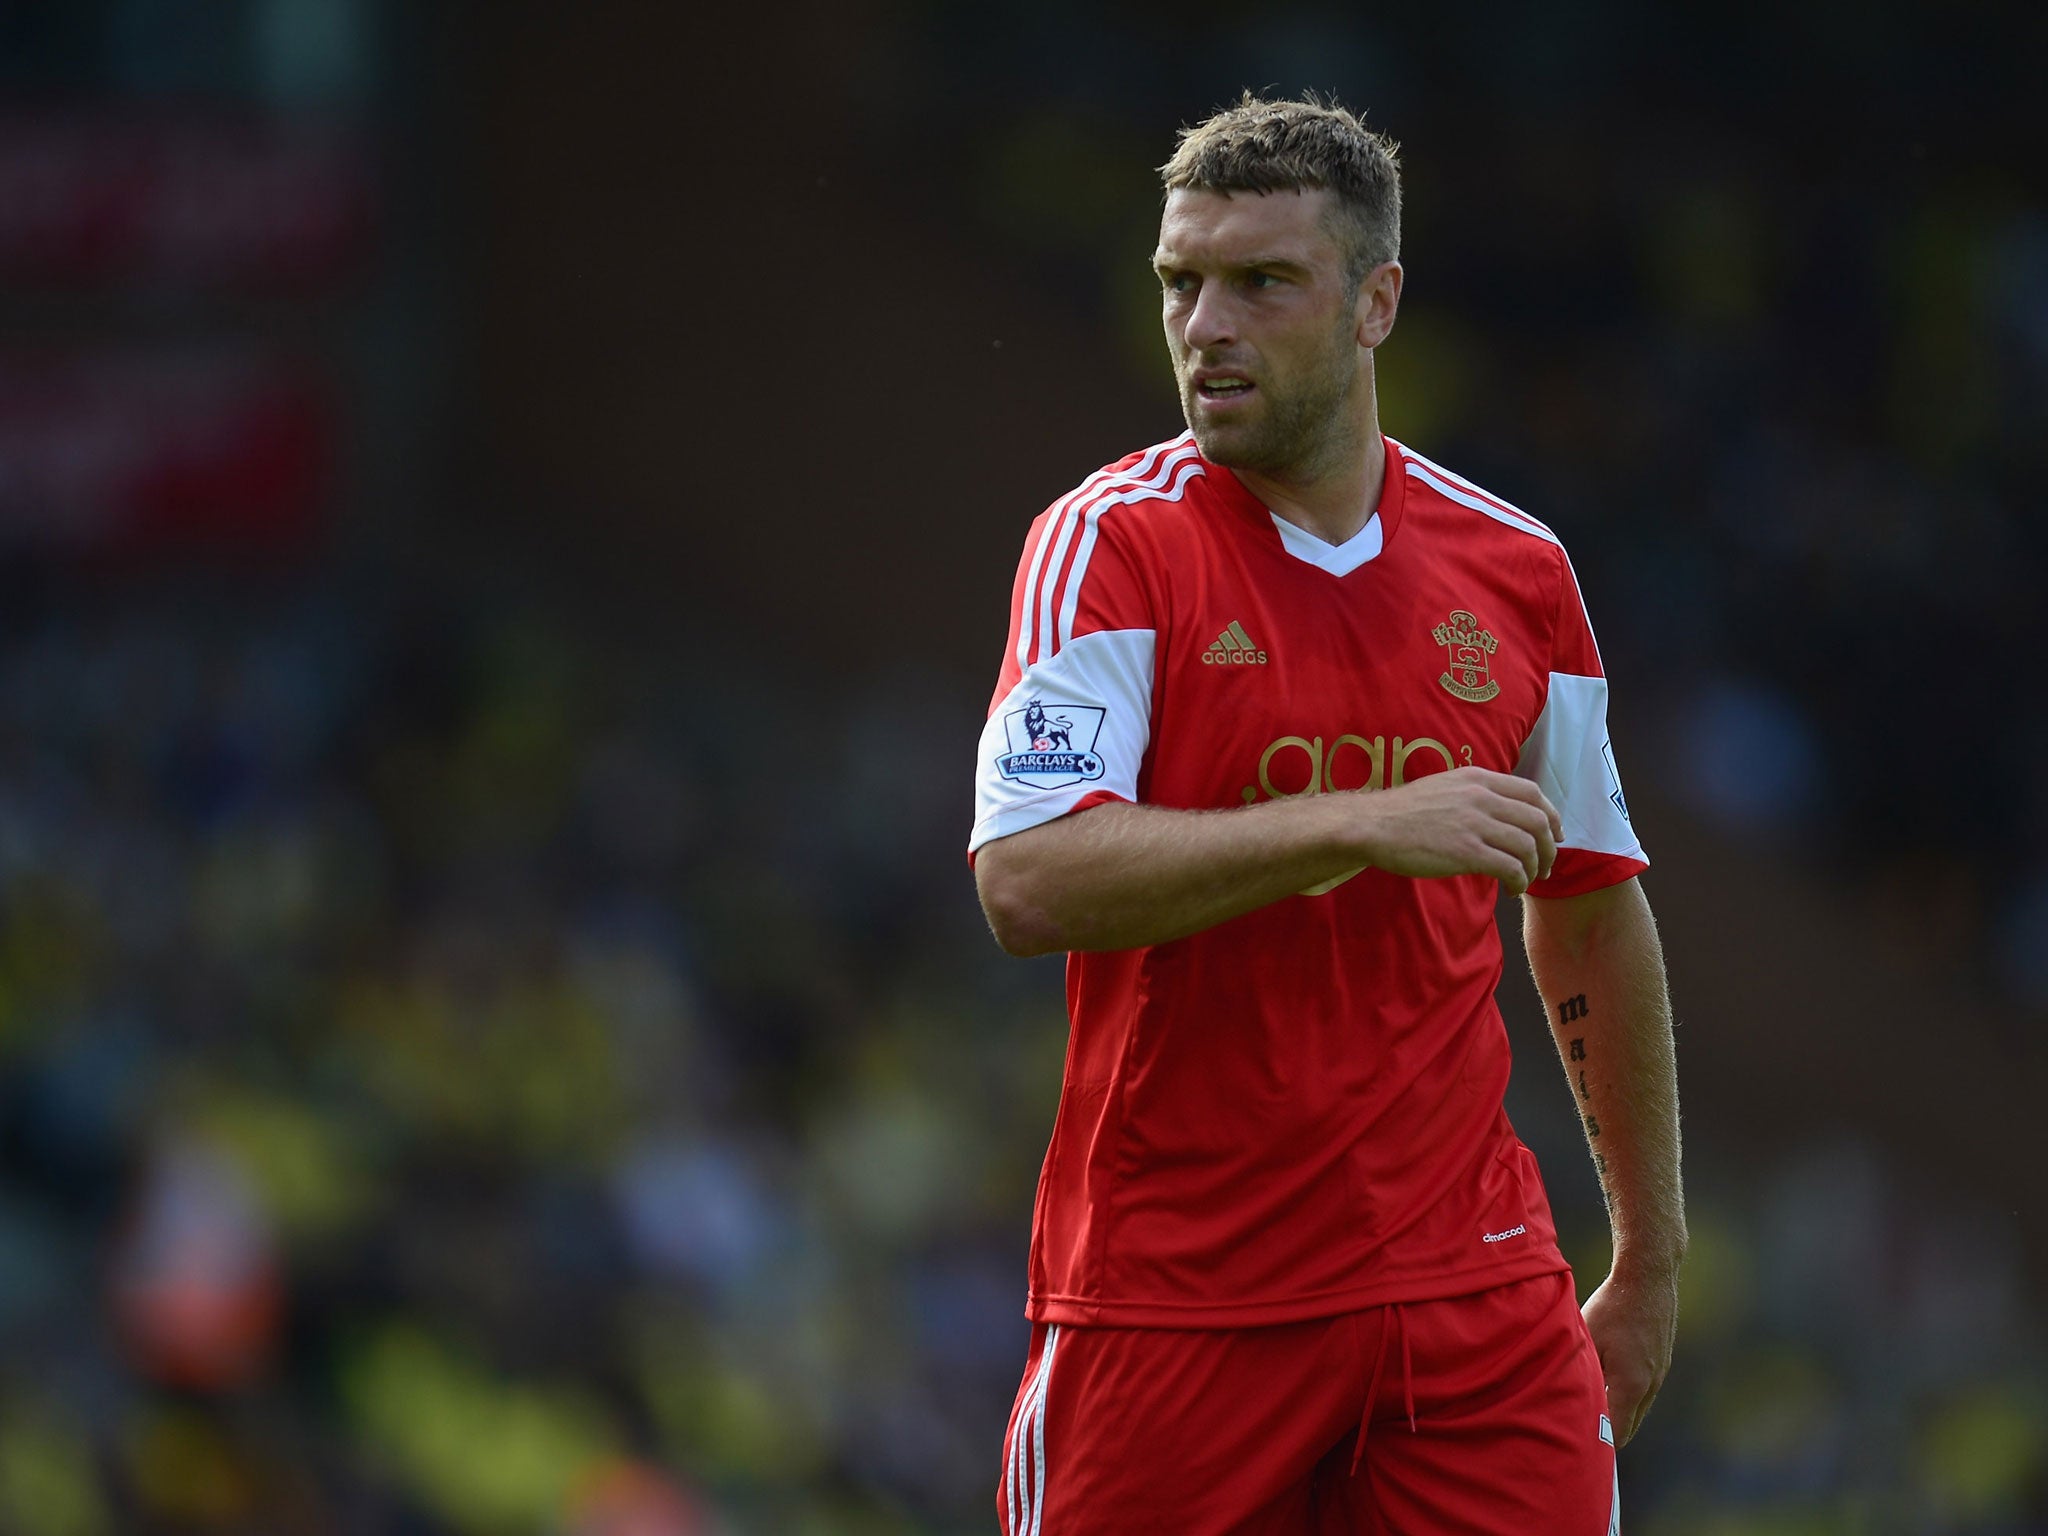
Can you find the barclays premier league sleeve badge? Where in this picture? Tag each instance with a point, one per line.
(1052, 745)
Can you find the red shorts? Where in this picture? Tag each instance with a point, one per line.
(1482, 1414)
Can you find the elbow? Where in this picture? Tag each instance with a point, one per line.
(1019, 921)
(1025, 943)
(1023, 928)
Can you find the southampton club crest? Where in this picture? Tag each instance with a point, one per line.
(1466, 663)
(1052, 746)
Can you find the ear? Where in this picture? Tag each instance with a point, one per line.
(1379, 296)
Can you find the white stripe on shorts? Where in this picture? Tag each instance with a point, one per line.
(1024, 1477)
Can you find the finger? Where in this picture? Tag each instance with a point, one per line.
(1526, 814)
(1616, 1420)
(1622, 1417)
(1514, 786)
(1497, 863)
(1642, 1412)
(1529, 793)
(1519, 843)
(1628, 1404)
(1536, 816)
(1532, 809)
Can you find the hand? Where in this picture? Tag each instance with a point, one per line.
(1634, 1324)
(1470, 821)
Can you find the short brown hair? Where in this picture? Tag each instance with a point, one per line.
(1276, 146)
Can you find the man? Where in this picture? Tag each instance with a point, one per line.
(1285, 704)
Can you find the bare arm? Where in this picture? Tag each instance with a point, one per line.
(1600, 971)
(1122, 876)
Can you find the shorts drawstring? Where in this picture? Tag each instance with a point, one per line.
(1390, 1320)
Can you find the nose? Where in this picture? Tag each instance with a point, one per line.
(1210, 322)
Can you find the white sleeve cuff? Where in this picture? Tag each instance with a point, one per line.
(1569, 757)
(1075, 725)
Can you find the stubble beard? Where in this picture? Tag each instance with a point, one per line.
(1300, 431)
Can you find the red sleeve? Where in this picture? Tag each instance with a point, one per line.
(1070, 719)
(1571, 757)
(1076, 576)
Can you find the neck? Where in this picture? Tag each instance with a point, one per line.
(1337, 495)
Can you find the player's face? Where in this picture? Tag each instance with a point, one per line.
(1264, 330)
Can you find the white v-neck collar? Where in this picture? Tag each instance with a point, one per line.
(1337, 559)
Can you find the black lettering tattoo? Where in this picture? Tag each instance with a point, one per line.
(1579, 1049)
(1572, 1009)
(1592, 1126)
(1584, 1091)
(1600, 1166)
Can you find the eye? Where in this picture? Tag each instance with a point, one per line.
(1256, 280)
(1176, 282)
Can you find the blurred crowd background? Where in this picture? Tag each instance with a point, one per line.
(506, 515)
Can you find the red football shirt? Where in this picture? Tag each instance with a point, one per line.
(1297, 1112)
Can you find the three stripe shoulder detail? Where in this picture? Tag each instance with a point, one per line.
(1455, 487)
(1066, 542)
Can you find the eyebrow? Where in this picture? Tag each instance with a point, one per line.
(1162, 261)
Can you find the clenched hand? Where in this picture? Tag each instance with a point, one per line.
(1634, 1323)
(1470, 821)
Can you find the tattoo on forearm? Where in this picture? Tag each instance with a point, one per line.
(1569, 1009)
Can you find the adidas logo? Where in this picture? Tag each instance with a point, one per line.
(1233, 648)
